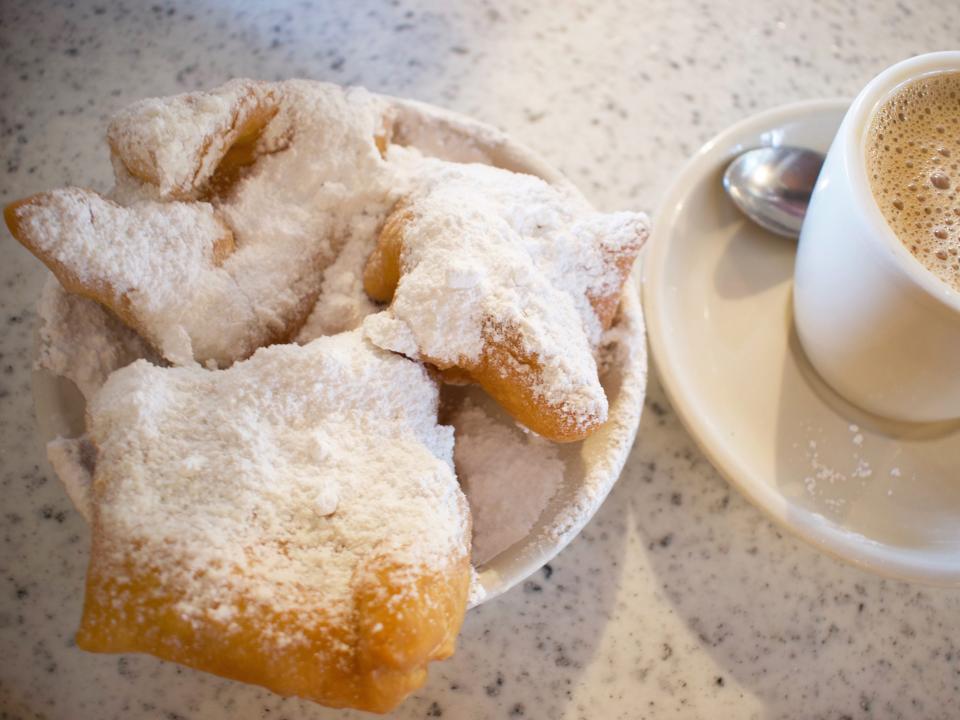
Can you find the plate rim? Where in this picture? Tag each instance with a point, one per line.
(824, 534)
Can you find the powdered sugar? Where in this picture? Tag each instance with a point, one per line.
(155, 262)
(81, 341)
(489, 254)
(342, 304)
(840, 473)
(213, 281)
(296, 208)
(175, 143)
(302, 470)
(507, 475)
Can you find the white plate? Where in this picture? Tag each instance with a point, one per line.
(717, 294)
(592, 466)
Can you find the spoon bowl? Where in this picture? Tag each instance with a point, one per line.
(772, 186)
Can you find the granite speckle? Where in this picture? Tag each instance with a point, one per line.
(679, 600)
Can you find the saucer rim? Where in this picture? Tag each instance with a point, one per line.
(826, 535)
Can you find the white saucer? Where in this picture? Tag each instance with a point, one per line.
(717, 290)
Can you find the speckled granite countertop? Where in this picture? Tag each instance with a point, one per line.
(679, 600)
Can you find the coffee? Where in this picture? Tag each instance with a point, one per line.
(913, 156)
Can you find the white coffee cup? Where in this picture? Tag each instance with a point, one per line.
(879, 327)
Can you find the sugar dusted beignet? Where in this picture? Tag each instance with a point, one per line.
(293, 521)
(505, 279)
(228, 206)
(156, 266)
(178, 143)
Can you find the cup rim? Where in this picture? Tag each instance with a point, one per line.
(854, 132)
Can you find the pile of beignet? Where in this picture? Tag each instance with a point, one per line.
(269, 502)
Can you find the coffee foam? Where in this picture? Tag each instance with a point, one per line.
(913, 162)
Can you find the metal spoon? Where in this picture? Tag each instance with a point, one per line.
(772, 186)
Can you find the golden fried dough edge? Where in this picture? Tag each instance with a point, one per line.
(370, 663)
